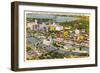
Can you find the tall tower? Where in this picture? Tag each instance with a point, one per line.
(36, 21)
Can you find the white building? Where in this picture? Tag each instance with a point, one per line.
(58, 27)
(33, 25)
(43, 27)
(77, 31)
(46, 42)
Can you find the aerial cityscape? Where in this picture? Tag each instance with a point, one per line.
(56, 35)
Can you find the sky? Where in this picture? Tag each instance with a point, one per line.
(48, 16)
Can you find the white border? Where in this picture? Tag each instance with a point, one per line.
(56, 62)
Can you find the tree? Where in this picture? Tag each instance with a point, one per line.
(65, 34)
(28, 49)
